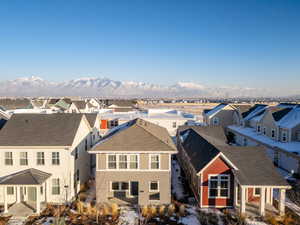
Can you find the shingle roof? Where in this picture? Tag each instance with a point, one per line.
(25, 177)
(252, 109)
(18, 103)
(137, 135)
(40, 130)
(80, 104)
(279, 113)
(242, 107)
(91, 118)
(254, 166)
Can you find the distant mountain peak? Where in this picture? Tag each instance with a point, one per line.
(105, 87)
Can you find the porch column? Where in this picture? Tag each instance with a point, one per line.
(236, 188)
(271, 196)
(38, 201)
(281, 202)
(262, 203)
(5, 199)
(243, 200)
(18, 194)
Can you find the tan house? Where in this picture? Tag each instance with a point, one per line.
(134, 164)
(224, 114)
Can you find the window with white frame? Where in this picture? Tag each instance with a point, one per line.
(40, 158)
(284, 136)
(258, 128)
(119, 186)
(8, 158)
(112, 162)
(273, 133)
(23, 159)
(174, 124)
(153, 186)
(216, 121)
(218, 186)
(154, 162)
(264, 130)
(123, 161)
(10, 190)
(55, 158)
(55, 186)
(256, 192)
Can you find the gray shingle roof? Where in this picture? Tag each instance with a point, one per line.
(91, 118)
(137, 135)
(80, 104)
(40, 130)
(254, 166)
(25, 177)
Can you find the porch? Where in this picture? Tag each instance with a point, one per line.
(24, 191)
(258, 200)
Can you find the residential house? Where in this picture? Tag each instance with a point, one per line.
(224, 114)
(120, 105)
(225, 176)
(134, 164)
(81, 106)
(15, 103)
(44, 158)
(276, 128)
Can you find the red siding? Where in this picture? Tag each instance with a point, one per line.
(103, 124)
(218, 166)
(251, 197)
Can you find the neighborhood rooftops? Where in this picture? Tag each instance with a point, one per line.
(253, 167)
(91, 117)
(40, 130)
(136, 136)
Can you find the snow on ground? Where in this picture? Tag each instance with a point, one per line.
(190, 219)
(253, 222)
(178, 189)
(288, 203)
(128, 216)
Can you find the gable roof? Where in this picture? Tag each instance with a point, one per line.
(291, 120)
(25, 177)
(242, 108)
(40, 130)
(136, 135)
(215, 109)
(279, 113)
(17, 103)
(91, 118)
(253, 111)
(80, 104)
(254, 166)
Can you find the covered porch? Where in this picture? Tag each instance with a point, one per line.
(24, 191)
(258, 200)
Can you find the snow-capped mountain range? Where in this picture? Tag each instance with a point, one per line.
(103, 87)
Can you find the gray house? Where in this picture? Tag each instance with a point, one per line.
(134, 164)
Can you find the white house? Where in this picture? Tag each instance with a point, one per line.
(44, 158)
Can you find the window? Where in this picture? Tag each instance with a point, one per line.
(122, 161)
(77, 175)
(8, 158)
(55, 158)
(86, 144)
(154, 186)
(273, 133)
(41, 190)
(10, 190)
(264, 131)
(133, 161)
(219, 186)
(154, 196)
(258, 128)
(215, 121)
(40, 158)
(284, 136)
(76, 153)
(257, 192)
(174, 125)
(119, 186)
(154, 162)
(245, 142)
(112, 162)
(55, 186)
(114, 123)
(23, 159)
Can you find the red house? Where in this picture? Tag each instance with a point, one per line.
(226, 176)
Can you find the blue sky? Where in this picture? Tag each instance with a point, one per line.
(242, 43)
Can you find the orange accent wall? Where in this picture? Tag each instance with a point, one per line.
(103, 124)
(218, 166)
(251, 197)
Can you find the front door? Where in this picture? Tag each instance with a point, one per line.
(134, 188)
(31, 193)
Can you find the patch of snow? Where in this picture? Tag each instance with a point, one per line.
(128, 216)
(288, 202)
(178, 189)
(254, 222)
(216, 109)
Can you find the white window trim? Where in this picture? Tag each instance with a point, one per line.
(264, 131)
(286, 135)
(24, 158)
(273, 130)
(120, 184)
(128, 162)
(56, 158)
(254, 194)
(159, 161)
(37, 158)
(219, 175)
(158, 188)
(216, 121)
(10, 158)
(258, 131)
